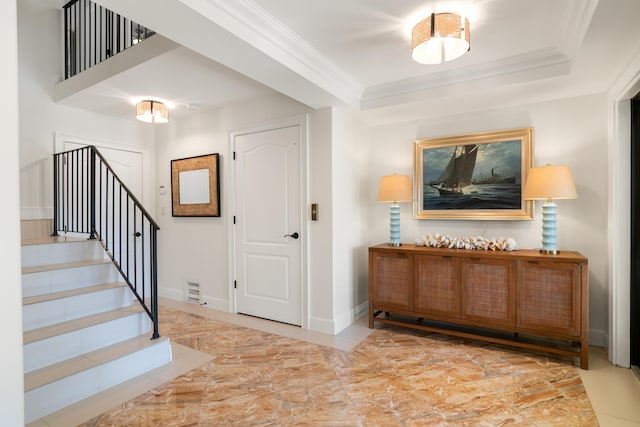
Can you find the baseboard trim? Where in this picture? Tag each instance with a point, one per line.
(209, 302)
(598, 338)
(216, 303)
(36, 212)
(170, 294)
(325, 326)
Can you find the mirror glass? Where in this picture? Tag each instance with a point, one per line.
(194, 187)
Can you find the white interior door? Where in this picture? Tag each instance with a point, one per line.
(268, 243)
(126, 164)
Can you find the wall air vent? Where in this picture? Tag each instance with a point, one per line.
(192, 293)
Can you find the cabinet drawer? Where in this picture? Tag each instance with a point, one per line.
(437, 285)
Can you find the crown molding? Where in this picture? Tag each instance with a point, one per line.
(249, 22)
(576, 23)
(515, 69)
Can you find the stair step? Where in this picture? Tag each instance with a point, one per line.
(52, 239)
(51, 345)
(52, 278)
(49, 309)
(70, 293)
(59, 250)
(50, 389)
(77, 324)
(40, 377)
(83, 329)
(63, 266)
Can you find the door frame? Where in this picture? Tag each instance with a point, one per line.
(619, 209)
(634, 292)
(302, 122)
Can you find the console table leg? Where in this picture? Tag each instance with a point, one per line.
(584, 357)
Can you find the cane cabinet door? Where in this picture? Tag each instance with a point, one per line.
(391, 285)
(549, 297)
(489, 292)
(437, 286)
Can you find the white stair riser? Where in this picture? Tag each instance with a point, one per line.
(125, 368)
(73, 307)
(66, 279)
(52, 350)
(54, 396)
(33, 255)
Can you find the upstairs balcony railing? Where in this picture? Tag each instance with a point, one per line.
(93, 34)
(89, 198)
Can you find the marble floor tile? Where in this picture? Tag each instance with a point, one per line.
(393, 377)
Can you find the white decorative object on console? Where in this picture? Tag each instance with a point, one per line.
(443, 241)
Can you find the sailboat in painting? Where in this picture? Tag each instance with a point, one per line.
(458, 172)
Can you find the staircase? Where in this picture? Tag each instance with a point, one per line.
(84, 329)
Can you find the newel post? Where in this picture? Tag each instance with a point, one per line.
(56, 160)
(92, 192)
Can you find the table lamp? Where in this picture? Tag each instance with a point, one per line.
(395, 188)
(549, 183)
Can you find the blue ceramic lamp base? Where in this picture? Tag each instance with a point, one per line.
(394, 225)
(549, 229)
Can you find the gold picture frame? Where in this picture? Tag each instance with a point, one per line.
(195, 186)
(477, 176)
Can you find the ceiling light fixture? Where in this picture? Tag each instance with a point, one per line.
(440, 38)
(152, 112)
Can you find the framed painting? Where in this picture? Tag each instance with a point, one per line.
(476, 176)
(195, 186)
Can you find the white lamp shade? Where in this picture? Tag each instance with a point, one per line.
(395, 188)
(549, 183)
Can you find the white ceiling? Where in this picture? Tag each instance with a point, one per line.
(357, 53)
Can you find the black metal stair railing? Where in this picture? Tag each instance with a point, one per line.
(93, 33)
(89, 198)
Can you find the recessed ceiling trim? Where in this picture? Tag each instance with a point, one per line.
(576, 23)
(532, 66)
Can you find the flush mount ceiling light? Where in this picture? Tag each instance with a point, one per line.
(440, 38)
(152, 112)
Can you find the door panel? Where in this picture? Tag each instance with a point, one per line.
(273, 283)
(267, 202)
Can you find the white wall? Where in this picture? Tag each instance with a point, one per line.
(11, 368)
(320, 266)
(566, 131)
(351, 194)
(196, 249)
(40, 68)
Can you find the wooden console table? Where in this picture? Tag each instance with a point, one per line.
(521, 298)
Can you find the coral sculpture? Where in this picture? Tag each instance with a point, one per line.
(443, 241)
